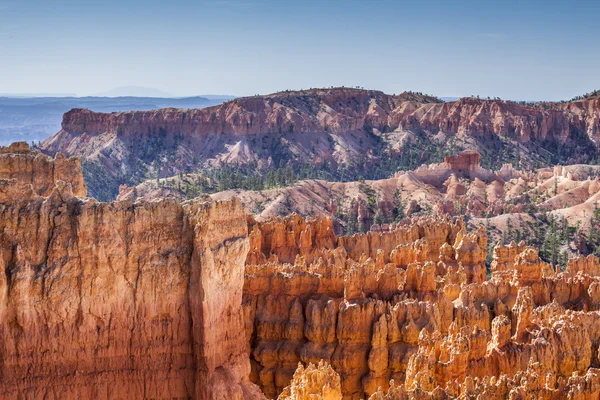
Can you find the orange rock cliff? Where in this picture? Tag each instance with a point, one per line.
(18, 162)
(165, 299)
(117, 300)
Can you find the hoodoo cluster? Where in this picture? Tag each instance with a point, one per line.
(195, 299)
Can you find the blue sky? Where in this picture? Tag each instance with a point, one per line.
(513, 49)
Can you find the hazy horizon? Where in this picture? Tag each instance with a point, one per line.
(112, 94)
(538, 50)
(202, 95)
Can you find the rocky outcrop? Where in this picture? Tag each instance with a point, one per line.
(18, 162)
(336, 110)
(333, 128)
(471, 116)
(514, 198)
(118, 300)
(313, 382)
(527, 384)
(409, 312)
(344, 110)
(465, 161)
(341, 298)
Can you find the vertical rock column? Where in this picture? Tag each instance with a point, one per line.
(216, 281)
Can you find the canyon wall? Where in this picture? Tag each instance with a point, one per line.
(341, 130)
(168, 299)
(415, 305)
(344, 110)
(18, 162)
(119, 300)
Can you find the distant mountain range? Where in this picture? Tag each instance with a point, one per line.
(138, 91)
(135, 91)
(36, 118)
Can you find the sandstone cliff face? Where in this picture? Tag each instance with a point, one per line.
(343, 111)
(469, 116)
(152, 300)
(413, 305)
(18, 162)
(586, 115)
(119, 300)
(335, 110)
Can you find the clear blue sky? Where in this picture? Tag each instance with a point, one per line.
(513, 49)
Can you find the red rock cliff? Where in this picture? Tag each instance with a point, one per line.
(340, 111)
(18, 162)
(331, 127)
(465, 161)
(120, 300)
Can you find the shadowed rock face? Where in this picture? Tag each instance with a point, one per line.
(413, 305)
(119, 300)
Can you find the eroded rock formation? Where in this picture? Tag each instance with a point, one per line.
(117, 300)
(413, 305)
(152, 300)
(352, 129)
(18, 162)
(313, 382)
(510, 203)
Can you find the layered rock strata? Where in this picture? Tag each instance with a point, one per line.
(25, 166)
(313, 382)
(118, 300)
(336, 129)
(414, 305)
(343, 110)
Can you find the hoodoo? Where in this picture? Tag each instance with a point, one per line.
(409, 313)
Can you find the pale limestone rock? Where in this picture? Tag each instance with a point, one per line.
(313, 382)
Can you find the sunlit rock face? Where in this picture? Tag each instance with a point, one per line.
(313, 382)
(330, 128)
(195, 299)
(117, 300)
(410, 312)
(25, 166)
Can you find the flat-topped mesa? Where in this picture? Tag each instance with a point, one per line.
(28, 167)
(345, 109)
(284, 112)
(306, 127)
